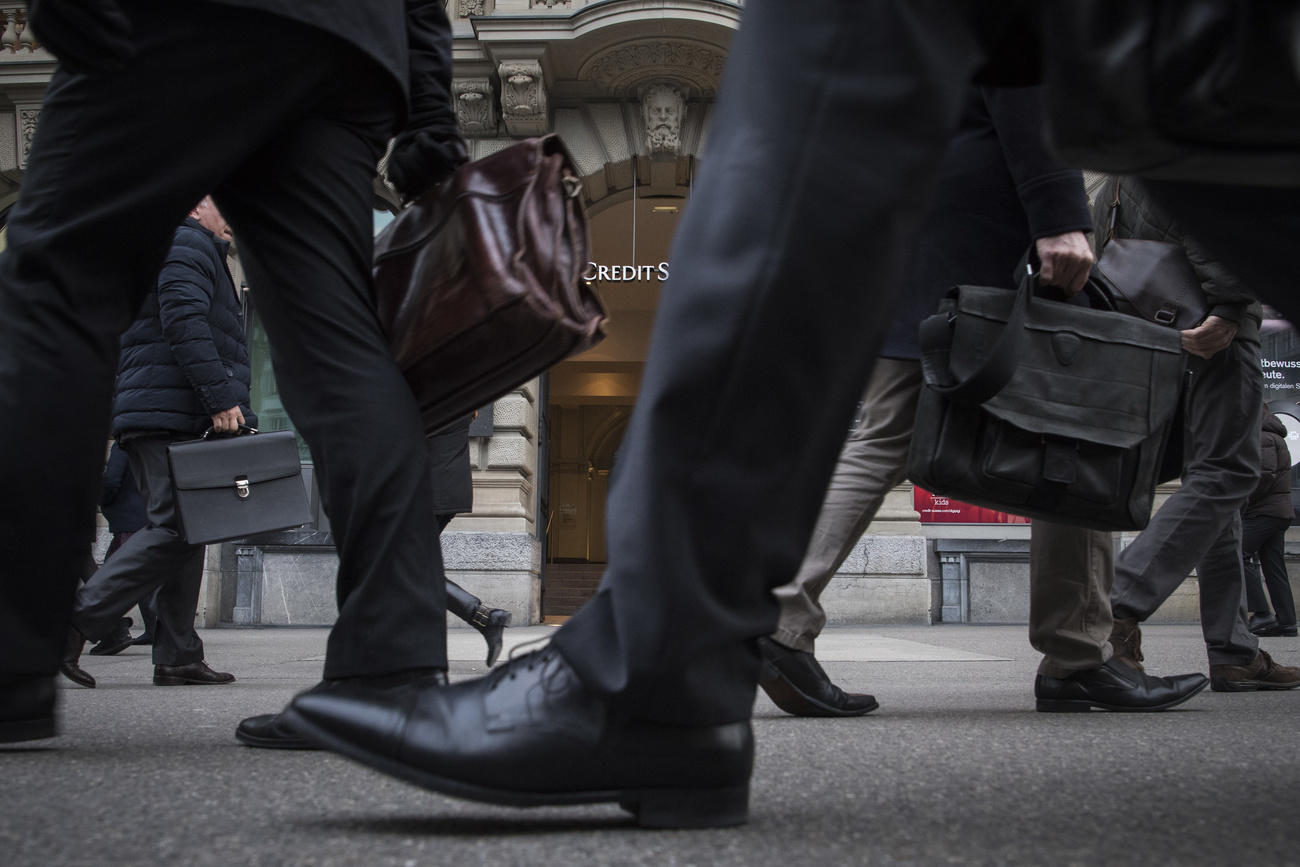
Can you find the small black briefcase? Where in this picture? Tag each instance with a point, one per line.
(231, 487)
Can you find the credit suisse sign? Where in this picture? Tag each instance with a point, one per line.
(597, 273)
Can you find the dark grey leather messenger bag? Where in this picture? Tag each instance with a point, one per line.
(1045, 409)
(232, 487)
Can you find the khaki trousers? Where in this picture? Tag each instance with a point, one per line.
(1070, 567)
(872, 461)
(1070, 574)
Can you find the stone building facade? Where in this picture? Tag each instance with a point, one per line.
(630, 86)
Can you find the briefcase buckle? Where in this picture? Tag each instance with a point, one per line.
(241, 487)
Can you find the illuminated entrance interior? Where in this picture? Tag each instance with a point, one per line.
(589, 399)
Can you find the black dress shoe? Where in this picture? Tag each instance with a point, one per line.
(26, 708)
(269, 731)
(1276, 630)
(491, 622)
(144, 638)
(798, 684)
(117, 642)
(193, 674)
(1115, 686)
(70, 664)
(272, 731)
(529, 734)
(1260, 622)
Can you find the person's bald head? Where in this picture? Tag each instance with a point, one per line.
(210, 218)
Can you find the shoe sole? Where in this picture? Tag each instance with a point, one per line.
(794, 701)
(1057, 705)
(185, 681)
(18, 730)
(1221, 685)
(274, 743)
(652, 808)
(110, 650)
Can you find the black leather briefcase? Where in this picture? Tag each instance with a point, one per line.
(1045, 409)
(231, 487)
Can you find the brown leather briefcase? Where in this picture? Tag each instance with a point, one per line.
(478, 283)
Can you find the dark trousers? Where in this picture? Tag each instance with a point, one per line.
(285, 134)
(1199, 526)
(155, 558)
(832, 119)
(1265, 535)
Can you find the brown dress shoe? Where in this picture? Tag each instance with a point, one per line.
(1261, 673)
(1126, 641)
(196, 673)
(797, 684)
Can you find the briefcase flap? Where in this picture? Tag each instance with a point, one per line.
(1156, 278)
(1093, 375)
(217, 463)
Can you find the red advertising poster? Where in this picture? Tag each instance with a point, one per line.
(943, 510)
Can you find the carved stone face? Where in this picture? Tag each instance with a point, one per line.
(663, 108)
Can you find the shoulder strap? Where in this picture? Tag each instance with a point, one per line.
(1114, 213)
(988, 379)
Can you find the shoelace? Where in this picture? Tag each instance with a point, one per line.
(516, 660)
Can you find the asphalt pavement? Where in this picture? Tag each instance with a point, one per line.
(955, 767)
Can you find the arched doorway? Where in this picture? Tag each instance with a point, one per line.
(589, 398)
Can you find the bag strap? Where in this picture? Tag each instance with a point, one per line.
(935, 336)
(1114, 215)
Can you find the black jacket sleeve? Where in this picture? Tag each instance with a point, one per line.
(1050, 192)
(431, 146)
(185, 288)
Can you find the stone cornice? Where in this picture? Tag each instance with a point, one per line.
(597, 16)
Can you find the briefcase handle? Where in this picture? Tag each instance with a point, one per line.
(243, 430)
(935, 337)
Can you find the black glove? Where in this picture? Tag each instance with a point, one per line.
(85, 35)
(422, 159)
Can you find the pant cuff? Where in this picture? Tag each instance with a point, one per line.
(1050, 667)
(795, 640)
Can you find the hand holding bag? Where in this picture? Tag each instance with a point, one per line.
(1044, 409)
(478, 284)
(232, 487)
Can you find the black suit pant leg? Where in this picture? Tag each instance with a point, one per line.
(1265, 535)
(117, 161)
(831, 122)
(302, 212)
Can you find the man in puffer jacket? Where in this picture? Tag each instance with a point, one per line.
(1264, 522)
(183, 369)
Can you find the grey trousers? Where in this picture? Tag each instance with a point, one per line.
(156, 557)
(1200, 525)
(1069, 567)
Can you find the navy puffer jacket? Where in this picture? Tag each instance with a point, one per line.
(185, 358)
